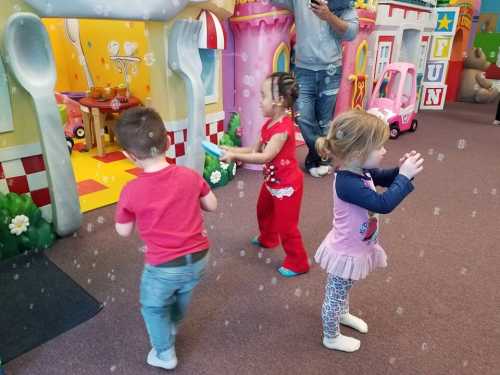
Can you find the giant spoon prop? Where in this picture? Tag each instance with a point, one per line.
(30, 59)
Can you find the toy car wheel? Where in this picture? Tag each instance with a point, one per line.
(394, 131)
(80, 133)
(70, 144)
(414, 125)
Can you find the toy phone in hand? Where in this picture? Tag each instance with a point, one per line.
(212, 149)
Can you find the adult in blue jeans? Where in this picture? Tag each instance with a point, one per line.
(320, 26)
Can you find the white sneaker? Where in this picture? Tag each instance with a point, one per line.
(315, 172)
(354, 322)
(324, 170)
(496, 122)
(342, 343)
(168, 360)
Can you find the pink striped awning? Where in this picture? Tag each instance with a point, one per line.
(212, 34)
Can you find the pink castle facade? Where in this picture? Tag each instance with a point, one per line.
(261, 46)
(355, 67)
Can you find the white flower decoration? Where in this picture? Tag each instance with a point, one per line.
(224, 165)
(19, 225)
(215, 177)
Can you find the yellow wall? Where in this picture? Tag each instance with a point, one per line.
(25, 128)
(95, 36)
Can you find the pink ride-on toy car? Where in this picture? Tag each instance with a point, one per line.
(394, 98)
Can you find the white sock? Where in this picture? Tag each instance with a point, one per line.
(342, 343)
(354, 322)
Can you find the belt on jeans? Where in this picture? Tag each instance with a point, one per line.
(183, 260)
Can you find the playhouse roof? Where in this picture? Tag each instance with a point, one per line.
(145, 10)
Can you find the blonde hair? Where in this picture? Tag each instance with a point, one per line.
(353, 134)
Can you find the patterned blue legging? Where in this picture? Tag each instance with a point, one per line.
(335, 304)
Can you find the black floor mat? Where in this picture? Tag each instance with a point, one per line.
(38, 301)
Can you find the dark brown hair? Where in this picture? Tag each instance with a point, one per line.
(141, 132)
(284, 85)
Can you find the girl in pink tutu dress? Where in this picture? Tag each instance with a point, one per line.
(351, 249)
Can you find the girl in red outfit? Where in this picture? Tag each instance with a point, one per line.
(278, 207)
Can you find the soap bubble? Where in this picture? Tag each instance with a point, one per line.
(331, 69)
(399, 310)
(149, 59)
(461, 144)
(242, 253)
(298, 292)
(437, 211)
(115, 104)
(440, 157)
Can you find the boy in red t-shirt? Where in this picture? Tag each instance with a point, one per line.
(165, 203)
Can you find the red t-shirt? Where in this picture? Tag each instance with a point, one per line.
(165, 207)
(283, 170)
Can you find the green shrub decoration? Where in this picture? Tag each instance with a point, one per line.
(215, 172)
(22, 227)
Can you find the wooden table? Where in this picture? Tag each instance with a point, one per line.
(94, 114)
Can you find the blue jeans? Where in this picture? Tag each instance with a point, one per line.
(165, 296)
(315, 106)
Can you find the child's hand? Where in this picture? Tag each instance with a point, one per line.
(227, 157)
(412, 166)
(406, 156)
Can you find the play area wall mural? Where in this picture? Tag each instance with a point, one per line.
(196, 62)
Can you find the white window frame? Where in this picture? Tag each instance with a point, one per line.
(211, 99)
(382, 61)
(424, 48)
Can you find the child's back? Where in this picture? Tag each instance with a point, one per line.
(166, 205)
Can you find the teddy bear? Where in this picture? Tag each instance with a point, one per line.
(474, 86)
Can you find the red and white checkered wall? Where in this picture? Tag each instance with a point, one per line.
(27, 175)
(178, 139)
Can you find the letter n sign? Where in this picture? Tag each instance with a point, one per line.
(435, 72)
(433, 96)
